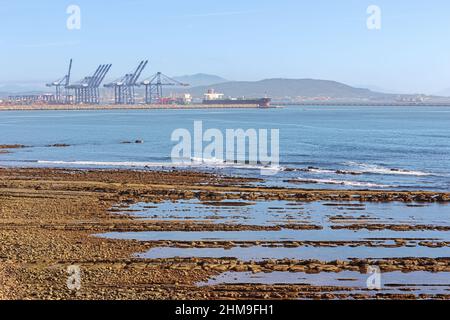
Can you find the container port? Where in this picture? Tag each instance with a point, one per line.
(127, 90)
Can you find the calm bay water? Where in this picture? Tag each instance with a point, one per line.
(383, 147)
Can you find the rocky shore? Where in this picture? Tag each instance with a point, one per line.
(49, 218)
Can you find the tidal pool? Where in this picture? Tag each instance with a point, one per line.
(418, 282)
(259, 253)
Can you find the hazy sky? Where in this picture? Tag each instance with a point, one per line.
(245, 40)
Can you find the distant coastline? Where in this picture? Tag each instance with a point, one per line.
(128, 107)
(86, 107)
(368, 104)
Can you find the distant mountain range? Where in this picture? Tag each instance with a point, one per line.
(377, 88)
(275, 88)
(200, 79)
(284, 88)
(22, 88)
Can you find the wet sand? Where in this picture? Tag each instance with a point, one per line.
(52, 218)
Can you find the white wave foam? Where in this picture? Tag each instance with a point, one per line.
(346, 183)
(195, 162)
(220, 163)
(320, 171)
(376, 169)
(212, 161)
(107, 163)
(314, 170)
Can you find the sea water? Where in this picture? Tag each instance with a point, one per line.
(404, 148)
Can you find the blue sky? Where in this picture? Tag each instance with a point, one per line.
(238, 40)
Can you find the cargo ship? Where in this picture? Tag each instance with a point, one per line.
(211, 98)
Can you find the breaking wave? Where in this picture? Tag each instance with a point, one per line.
(376, 169)
(363, 168)
(194, 162)
(219, 163)
(107, 163)
(344, 183)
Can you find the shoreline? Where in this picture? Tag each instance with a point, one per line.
(124, 107)
(351, 194)
(5, 108)
(288, 184)
(50, 219)
(368, 104)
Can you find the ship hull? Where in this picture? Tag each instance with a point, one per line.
(263, 102)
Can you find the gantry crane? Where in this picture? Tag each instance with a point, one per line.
(154, 86)
(124, 87)
(61, 87)
(87, 89)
